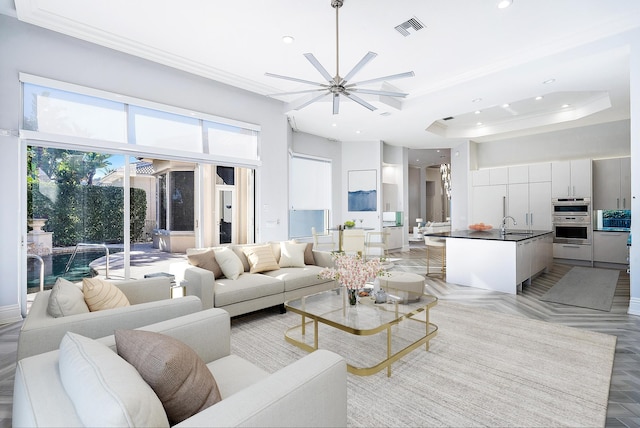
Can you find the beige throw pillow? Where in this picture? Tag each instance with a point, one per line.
(206, 260)
(177, 375)
(261, 258)
(292, 254)
(100, 295)
(308, 255)
(66, 299)
(229, 262)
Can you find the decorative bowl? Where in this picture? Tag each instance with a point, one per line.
(480, 227)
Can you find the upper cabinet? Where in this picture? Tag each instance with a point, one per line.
(612, 184)
(571, 179)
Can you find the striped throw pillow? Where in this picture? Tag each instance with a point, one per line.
(100, 295)
(261, 258)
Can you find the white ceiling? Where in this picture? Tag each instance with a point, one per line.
(471, 56)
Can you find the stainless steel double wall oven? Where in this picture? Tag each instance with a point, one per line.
(572, 222)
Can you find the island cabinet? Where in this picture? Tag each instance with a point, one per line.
(502, 263)
(571, 179)
(612, 184)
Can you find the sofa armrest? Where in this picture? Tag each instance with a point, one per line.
(323, 258)
(207, 332)
(41, 333)
(200, 283)
(146, 289)
(309, 392)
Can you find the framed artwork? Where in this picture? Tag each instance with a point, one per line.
(363, 190)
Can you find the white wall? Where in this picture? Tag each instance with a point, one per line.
(364, 155)
(605, 140)
(634, 304)
(33, 50)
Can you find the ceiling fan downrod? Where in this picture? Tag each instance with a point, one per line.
(337, 4)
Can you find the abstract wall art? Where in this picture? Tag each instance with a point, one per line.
(363, 191)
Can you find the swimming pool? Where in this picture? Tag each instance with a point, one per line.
(55, 265)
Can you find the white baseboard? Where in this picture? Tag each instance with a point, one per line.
(634, 306)
(10, 314)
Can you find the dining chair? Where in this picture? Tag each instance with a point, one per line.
(353, 241)
(322, 241)
(377, 240)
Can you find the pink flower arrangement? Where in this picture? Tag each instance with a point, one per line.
(352, 271)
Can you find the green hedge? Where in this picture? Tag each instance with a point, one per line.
(86, 213)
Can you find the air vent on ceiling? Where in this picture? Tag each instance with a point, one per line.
(412, 23)
(447, 118)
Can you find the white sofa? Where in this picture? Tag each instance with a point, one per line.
(253, 291)
(309, 392)
(150, 300)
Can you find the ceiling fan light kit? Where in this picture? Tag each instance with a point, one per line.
(336, 85)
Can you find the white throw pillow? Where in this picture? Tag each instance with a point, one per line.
(104, 388)
(292, 254)
(229, 262)
(66, 299)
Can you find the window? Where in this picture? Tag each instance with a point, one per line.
(309, 195)
(164, 130)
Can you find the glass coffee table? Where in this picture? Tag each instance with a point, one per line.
(354, 330)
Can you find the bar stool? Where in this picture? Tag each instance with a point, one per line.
(436, 244)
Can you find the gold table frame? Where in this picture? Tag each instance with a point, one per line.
(323, 316)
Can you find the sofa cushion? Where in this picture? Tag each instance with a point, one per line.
(296, 278)
(229, 262)
(308, 255)
(105, 389)
(205, 260)
(292, 254)
(100, 295)
(248, 286)
(261, 258)
(65, 299)
(177, 375)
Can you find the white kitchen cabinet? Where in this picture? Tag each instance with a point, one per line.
(530, 205)
(572, 251)
(610, 247)
(487, 204)
(490, 177)
(533, 256)
(612, 184)
(571, 179)
(524, 254)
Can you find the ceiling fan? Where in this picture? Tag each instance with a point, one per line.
(337, 85)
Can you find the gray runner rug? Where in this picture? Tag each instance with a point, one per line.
(483, 369)
(585, 287)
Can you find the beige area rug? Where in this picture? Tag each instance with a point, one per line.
(483, 369)
(587, 287)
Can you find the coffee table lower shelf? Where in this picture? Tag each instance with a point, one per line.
(431, 330)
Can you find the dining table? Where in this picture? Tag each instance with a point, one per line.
(340, 229)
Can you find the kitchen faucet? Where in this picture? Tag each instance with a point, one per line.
(503, 226)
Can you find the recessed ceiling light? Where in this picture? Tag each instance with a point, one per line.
(539, 97)
(566, 105)
(288, 39)
(475, 100)
(479, 123)
(334, 124)
(357, 132)
(546, 82)
(477, 112)
(504, 4)
(505, 105)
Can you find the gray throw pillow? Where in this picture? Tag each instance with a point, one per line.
(177, 375)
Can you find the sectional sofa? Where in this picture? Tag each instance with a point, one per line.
(267, 275)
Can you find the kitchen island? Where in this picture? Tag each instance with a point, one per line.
(492, 261)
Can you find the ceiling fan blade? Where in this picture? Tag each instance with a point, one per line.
(360, 101)
(295, 79)
(312, 59)
(312, 100)
(374, 92)
(296, 92)
(336, 103)
(392, 77)
(368, 57)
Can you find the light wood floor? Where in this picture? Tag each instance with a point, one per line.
(624, 394)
